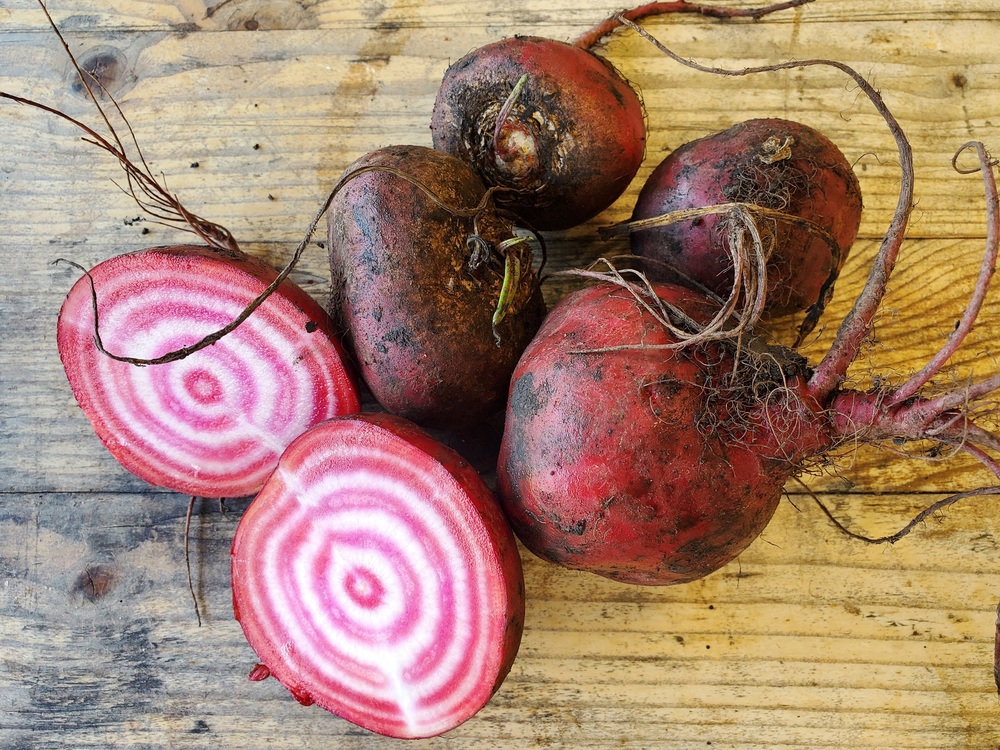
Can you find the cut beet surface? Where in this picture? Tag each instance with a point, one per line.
(214, 423)
(375, 576)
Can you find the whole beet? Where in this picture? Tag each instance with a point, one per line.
(635, 454)
(566, 142)
(776, 164)
(577, 472)
(417, 282)
(639, 463)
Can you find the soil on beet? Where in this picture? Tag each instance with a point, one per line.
(615, 461)
(569, 144)
(776, 164)
(416, 302)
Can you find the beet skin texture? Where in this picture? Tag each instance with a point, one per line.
(565, 145)
(417, 286)
(641, 464)
(776, 164)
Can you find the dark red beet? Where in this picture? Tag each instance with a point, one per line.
(615, 421)
(655, 465)
(418, 287)
(555, 124)
(614, 461)
(776, 164)
(570, 141)
(636, 455)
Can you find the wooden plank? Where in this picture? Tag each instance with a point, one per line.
(493, 16)
(321, 110)
(809, 639)
(43, 426)
(794, 644)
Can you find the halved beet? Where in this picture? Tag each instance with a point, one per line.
(213, 423)
(375, 576)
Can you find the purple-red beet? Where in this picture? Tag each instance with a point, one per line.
(375, 576)
(437, 299)
(612, 461)
(554, 124)
(631, 452)
(635, 456)
(566, 144)
(792, 171)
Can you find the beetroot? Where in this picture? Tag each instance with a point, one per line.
(196, 364)
(554, 124)
(213, 423)
(568, 144)
(784, 167)
(613, 461)
(645, 456)
(424, 271)
(631, 457)
(375, 576)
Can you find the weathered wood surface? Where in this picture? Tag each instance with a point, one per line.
(808, 640)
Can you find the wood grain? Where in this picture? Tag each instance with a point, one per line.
(252, 109)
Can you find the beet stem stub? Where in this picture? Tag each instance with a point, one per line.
(553, 124)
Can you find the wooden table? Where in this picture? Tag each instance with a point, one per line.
(251, 109)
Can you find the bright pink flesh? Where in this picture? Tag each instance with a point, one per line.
(375, 576)
(214, 423)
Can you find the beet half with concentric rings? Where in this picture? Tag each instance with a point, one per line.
(212, 423)
(375, 576)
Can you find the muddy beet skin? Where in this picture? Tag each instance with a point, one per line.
(571, 141)
(776, 164)
(416, 292)
(642, 465)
